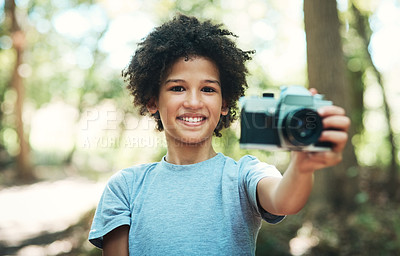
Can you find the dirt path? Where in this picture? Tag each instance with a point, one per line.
(27, 211)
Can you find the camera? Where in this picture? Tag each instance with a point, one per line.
(288, 123)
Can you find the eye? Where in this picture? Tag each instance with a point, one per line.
(208, 89)
(177, 89)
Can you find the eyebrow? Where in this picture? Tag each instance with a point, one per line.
(181, 80)
(213, 81)
(174, 81)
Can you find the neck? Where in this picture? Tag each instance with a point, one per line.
(183, 154)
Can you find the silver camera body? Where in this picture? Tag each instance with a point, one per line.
(288, 123)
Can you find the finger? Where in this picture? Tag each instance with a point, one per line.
(336, 122)
(313, 91)
(331, 110)
(325, 159)
(338, 138)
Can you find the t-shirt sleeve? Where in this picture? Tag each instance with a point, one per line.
(252, 172)
(112, 211)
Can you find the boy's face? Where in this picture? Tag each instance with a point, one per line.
(190, 101)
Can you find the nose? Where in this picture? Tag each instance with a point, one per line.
(193, 100)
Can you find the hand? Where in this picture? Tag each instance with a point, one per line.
(336, 126)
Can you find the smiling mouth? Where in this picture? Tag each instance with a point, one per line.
(192, 119)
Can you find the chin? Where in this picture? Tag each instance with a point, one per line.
(192, 141)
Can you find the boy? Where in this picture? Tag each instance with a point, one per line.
(189, 75)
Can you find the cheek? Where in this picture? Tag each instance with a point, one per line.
(168, 112)
(216, 110)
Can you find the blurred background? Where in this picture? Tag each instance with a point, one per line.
(67, 123)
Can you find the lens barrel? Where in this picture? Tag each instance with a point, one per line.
(302, 127)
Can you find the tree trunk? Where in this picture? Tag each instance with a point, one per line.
(327, 73)
(24, 167)
(365, 33)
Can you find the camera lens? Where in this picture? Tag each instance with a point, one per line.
(302, 127)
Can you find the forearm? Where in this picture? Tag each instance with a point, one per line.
(292, 192)
(289, 194)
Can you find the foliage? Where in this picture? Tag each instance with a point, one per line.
(369, 231)
(74, 236)
(373, 229)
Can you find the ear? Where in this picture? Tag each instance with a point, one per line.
(152, 106)
(224, 108)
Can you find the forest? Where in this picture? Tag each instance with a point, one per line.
(67, 122)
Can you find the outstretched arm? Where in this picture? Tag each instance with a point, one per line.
(288, 195)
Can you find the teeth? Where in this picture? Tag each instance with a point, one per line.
(192, 119)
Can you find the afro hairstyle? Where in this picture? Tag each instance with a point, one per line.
(185, 36)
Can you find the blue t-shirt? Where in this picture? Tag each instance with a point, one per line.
(207, 208)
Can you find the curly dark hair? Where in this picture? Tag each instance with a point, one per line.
(186, 36)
